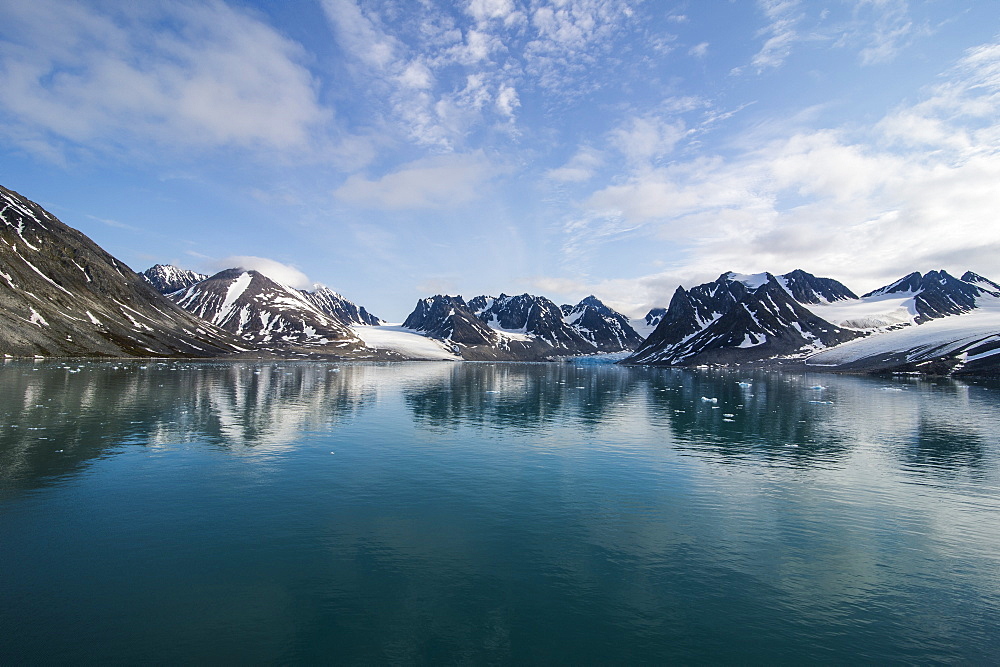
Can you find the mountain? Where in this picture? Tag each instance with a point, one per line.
(452, 320)
(266, 314)
(654, 316)
(965, 344)
(806, 288)
(742, 318)
(982, 283)
(524, 327)
(604, 328)
(165, 278)
(929, 322)
(534, 316)
(62, 295)
(932, 295)
(333, 304)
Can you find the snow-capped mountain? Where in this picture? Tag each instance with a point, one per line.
(934, 294)
(965, 344)
(808, 289)
(913, 299)
(266, 314)
(166, 278)
(525, 327)
(982, 283)
(451, 320)
(534, 316)
(62, 295)
(607, 329)
(335, 305)
(654, 316)
(740, 318)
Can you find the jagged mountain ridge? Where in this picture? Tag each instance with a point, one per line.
(935, 294)
(981, 282)
(62, 295)
(265, 313)
(335, 305)
(605, 328)
(528, 325)
(741, 318)
(166, 278)
(806, 288)
(705, 324)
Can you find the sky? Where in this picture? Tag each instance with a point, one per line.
(396, 149)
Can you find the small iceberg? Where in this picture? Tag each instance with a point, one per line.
(706, 399)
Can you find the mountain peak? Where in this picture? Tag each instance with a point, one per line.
(167, 278)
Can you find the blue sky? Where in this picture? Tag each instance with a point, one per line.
(395, 149)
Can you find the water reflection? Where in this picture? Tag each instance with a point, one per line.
(54, 417)
(521, 396)
(439, 513)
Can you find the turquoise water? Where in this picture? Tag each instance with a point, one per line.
(444, 513)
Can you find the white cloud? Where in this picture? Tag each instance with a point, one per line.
(644, 139)
(275, 270)
(122, 79)
(507, 101)
(915, 192)
(417, 75)
(581, 167)
(891, 32)
(699, 50)
(483, 10)
(359, 36)
(781, 32)
(433, 183)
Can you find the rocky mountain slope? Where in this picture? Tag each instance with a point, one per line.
(740, 318)
(168, 279)
(524, 327)
(966, 344)
(165, 278)
(62, 295)
(266, 314)
(333, 304)
(763, 318)
(605, 328)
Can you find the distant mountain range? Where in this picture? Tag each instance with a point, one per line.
(797, 317)
(62, 295)
(524, 327)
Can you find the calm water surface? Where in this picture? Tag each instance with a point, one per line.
(444, 513)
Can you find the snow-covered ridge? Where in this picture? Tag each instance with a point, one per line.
(761, 317)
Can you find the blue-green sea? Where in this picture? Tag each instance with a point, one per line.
(475, 513)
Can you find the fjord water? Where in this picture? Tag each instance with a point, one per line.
(515, 513)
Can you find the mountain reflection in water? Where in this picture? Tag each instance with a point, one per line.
(490, 512)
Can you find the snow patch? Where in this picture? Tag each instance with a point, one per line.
(407, 342)
(37, 319)
(751, 280)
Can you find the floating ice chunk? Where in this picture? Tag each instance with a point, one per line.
(706, 399)
(745, 384)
